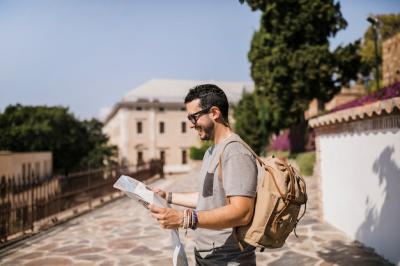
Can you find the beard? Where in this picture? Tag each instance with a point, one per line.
(207, 132)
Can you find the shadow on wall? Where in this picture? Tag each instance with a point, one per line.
(381, 227)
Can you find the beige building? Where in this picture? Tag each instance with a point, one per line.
(25, 164)
(151, 122)
(391, 60)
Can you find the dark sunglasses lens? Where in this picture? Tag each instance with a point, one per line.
(192, 119)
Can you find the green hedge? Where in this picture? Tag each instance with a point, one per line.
(198, 153)
(306, 161)
(279, 154)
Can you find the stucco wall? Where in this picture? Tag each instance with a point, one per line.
(19, 164)
(360, 182)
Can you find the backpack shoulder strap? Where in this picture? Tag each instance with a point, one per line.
(246, 146)
(234, 230)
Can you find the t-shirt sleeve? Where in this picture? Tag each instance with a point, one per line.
(239, 172)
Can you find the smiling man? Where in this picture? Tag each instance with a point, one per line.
(223, 202)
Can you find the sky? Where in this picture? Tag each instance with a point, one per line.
(88, 54)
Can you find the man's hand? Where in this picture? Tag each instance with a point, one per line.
(160, 192)
(167, 217)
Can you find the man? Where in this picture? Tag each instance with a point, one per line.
(224, 202)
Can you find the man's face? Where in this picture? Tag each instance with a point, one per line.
(202, 122)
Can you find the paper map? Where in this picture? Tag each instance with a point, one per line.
(139, 192)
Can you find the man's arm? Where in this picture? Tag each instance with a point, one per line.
(185, 199)
(238, 212)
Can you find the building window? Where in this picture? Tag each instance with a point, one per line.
(139, 129)
(162, 156)
(140, 157)
(139, 108)
(162, 127)
(184, 157)
(183, 127)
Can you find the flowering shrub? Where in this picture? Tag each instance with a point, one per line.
(382, 94)
(281, 142)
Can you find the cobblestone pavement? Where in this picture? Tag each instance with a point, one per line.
(123, 233)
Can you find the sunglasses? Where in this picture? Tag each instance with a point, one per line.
(194, 117)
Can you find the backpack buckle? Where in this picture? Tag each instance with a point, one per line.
(291, 197)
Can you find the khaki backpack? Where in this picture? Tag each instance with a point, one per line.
(280, 193)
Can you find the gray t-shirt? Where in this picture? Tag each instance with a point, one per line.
(239, 170)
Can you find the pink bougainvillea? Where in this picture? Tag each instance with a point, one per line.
(382, 94)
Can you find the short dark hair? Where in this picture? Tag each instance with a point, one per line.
(210, 95)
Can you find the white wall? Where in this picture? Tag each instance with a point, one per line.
(360, 181)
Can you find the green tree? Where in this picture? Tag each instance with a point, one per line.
(389, 25)
(291, 62)
(248, 122)
(42, 128)
(100, 152)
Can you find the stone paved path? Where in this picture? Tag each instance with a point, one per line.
(123, 233)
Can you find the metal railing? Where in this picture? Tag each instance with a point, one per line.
(30, 204)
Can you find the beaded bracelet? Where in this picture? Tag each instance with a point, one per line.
(195, 220)
(190, 219)
(185, 224)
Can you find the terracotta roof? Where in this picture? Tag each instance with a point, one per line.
(356, 113)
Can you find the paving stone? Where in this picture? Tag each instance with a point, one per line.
(91, 257)
(48, 247)
(12, 263)
(323, 227)
(118, 244)
(50, 261)
(342, 252)
(28, 256)
(123, 233)
(316, 238)
(131, 260)
(325, 263)
(143, 251)
(85, 251)
(164, 261)
(297, 240)
(263, 257)
(70, 248)
(293, 258)
(84, 263)
(307, 221)
(107, 263)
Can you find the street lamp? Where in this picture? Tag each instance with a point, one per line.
(375, 25)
